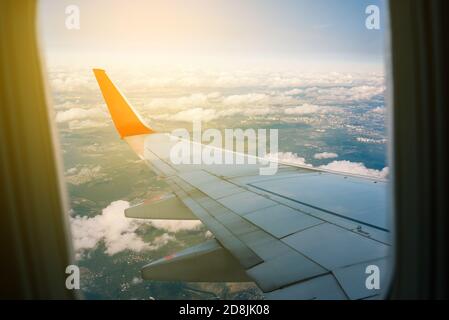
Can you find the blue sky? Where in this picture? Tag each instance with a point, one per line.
(319, 30)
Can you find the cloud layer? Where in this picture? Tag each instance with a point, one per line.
(211, 94)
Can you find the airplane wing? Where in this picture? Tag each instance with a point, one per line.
(301, 233)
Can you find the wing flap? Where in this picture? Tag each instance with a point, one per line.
(206, 262)
(169, 208)
(242, 252)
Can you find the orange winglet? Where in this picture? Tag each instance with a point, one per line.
(126, 120)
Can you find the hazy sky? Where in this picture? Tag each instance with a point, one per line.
(322, 31)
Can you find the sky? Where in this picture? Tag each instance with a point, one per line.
(319, 32)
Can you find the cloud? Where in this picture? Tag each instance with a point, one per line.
(112, 227)
(74, 81)
(245, 77)
(71, 171)
(346, 94)
(371, 141)
(380, 110)
(293, 92)
(176, 225)
(256, 111)
(344, 166)
(212, 114)
(72, 103)
(258, 100)
(214, 105)
(302, 110)
(325, 155)
(357, 168)
(86, 124)
(365, 92)
(189, 115)
(79, 118)
(119, 233)
(78, 176)
(287, 157)
(197, 100)
(80, 114)
(136, 280)
(246, 99)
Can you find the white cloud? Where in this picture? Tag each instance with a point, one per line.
(301, 110)
(189, 115)
(176, 225)
(86, 124)
(380, 110)
(78, 176)
(365, 92)
(214, 105)
(325, 155)
(112, 227)
(371, 141)
(245, 78)
(71, 171)
(345, 94)
(212, 114)
(67, 105)
(197, 100)
(80, 114)
(357, 168)
(160, 241)
(337, 166)
(257, 111)
(71, 81)
(287, 157)
(246, 99)
(119, 233)
(293, 92)
(136, 280)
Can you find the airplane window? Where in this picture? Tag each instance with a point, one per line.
(309, 78)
